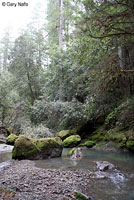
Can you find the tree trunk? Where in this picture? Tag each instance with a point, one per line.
(126, 61)
(60, 34)
(30, 88)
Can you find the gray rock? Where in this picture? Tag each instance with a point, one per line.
(5, 148)
(77, 154)
(104, 165)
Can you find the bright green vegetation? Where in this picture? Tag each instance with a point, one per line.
(121, 138)
(130, 145)
(70, 153)
(80, 196)
(66, 133)
(11, 139)
(72, 141)
(46, 143)
(88, 143)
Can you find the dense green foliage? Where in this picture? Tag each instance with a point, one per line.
(87, 78)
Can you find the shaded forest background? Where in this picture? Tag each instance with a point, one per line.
(75, 69)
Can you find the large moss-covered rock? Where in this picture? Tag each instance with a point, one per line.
(11, 139)
(88, 144)
(50, 147)
(26, 148)
(72, 141)
(66, 133)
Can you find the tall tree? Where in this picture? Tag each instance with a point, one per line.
(5, 47)
(60, 31)
(61, 19)
(23, 65)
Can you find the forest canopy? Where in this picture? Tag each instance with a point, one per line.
(77, 67)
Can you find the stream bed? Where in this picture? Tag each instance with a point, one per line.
(117, 184)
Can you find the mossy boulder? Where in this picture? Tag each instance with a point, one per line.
(24, 148)
(50, 147)
(11, 139)
(32, 149)
(130, 145)
(66, 133)
(72, 141)
(88, 144)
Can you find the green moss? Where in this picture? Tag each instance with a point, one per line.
(70, 153)
(130, 145)
(88, 143)
(27, 148)
(24, 148)
(72, 141)
(66, 133)
(122, 143)
(11, 139)
(99, 134)
(112, 117)
(47, 143)
(80, 196)
(116, 136)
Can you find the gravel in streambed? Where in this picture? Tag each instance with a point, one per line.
(21, 180)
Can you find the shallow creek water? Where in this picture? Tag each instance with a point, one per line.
(119, 184)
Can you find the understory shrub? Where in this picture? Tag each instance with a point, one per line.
(122, 116)
(59, 115)
(38, 131)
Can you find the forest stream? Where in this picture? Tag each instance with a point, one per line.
(115, 184)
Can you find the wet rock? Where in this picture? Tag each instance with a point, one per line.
(99, 175)
(117, 178)
(104, 165)
(77, 154)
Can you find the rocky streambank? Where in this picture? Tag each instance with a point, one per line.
(21, 180)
